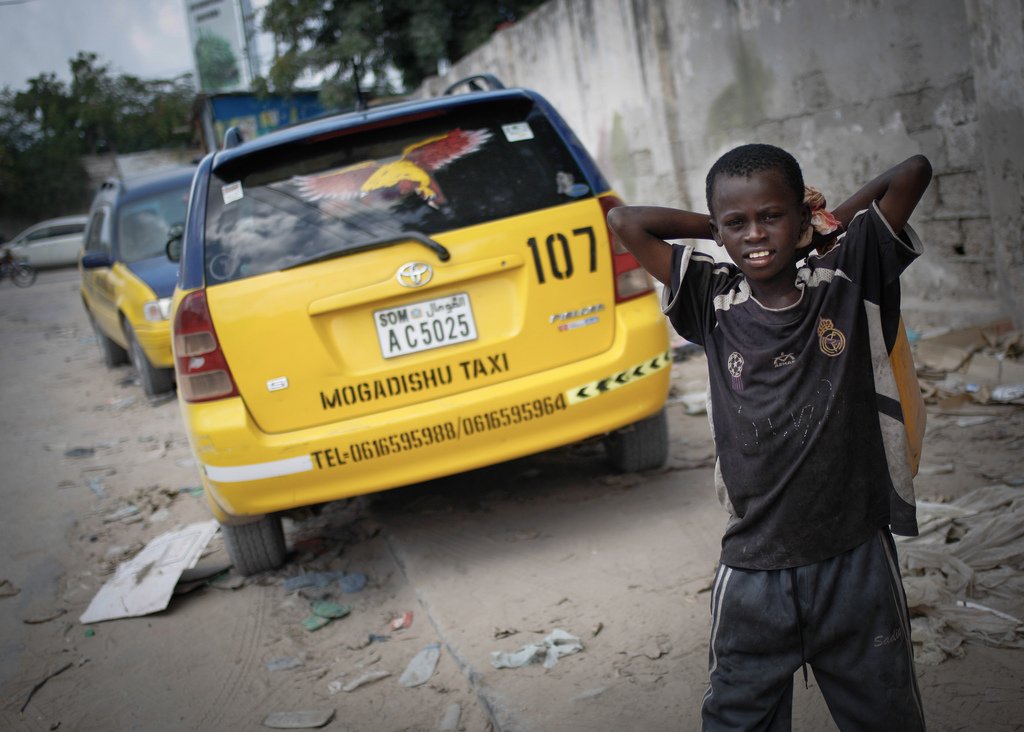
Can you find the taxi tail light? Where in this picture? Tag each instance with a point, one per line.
(202, 370)
(631, 280)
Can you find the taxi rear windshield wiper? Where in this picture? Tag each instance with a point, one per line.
(418, 236)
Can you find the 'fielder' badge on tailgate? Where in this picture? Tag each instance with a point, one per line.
(414, 274)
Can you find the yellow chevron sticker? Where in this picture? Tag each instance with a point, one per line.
(615, 381)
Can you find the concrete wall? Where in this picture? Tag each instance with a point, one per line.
(658, 90)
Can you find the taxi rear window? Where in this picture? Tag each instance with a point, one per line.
(465, 167)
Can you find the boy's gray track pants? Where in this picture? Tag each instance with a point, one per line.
(846, 617)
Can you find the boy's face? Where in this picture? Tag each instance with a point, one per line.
(759, 222)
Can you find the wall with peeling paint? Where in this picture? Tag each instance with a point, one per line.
(657, 91)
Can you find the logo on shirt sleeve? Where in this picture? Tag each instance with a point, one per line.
(831, 340)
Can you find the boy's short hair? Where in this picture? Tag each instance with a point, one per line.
(746, 160)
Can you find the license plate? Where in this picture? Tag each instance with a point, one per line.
(422, 326)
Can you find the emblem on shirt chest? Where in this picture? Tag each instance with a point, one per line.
(735, 365)
(831, 340)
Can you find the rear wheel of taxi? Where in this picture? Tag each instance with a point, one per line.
(642, 445)
(113, 354)
(257, 546)
(154, 381)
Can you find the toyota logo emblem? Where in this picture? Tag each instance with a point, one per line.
(414, 274)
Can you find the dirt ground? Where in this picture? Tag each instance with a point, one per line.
(485, 562)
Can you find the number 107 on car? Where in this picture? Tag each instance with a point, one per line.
(422, 326)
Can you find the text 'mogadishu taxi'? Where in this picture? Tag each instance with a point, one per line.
(388, 296)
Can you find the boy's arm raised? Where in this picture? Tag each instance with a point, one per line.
(644, 229)
(897, 190)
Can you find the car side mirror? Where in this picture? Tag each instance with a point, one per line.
(95, 260)
(175, 239)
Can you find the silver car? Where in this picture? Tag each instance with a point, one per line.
(50, 243)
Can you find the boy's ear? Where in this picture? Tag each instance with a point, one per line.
(714, 231)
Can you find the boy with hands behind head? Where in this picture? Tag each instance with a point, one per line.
(808, 430)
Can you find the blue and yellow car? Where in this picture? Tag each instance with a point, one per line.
(126, 278)
(384, 297)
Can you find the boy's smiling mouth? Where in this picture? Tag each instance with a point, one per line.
(759, 256)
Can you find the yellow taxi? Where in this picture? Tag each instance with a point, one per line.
(388, 296)
(126, 278)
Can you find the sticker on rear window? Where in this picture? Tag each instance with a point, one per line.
(232, 192)
(517, 131)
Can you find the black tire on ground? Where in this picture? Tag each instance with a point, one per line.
(154, 381)
(642, 445)
(113, 354)
(23, 275)
(257, 546)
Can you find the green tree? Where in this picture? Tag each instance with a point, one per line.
(355, 42)
(47, 127)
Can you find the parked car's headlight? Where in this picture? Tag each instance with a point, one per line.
(157, 310)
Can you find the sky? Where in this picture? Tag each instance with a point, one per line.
(146, 38)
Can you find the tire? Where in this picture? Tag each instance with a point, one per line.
(113, 354)
(23, 275)
(257, 546)
(154, 381)
(642, 445)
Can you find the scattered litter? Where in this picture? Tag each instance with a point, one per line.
(80, 452)
(366, 678)
(302, 719)
(315, 622)
(126, 511)
(144, 584)
(7, 589)
(938, 469)
(39, 685)
(597, 629)
(422, 666)
(89, 633)
(330, 610)
(402, 621)
(117, 405)
(204, 570)
(377, 638)
(311, 579)
(45, 618)
(117, 551)
(450, 720)
(504, 632)
(353, 582)
(159, 516)
(96, 486)
(974, 421)
(1008, 393)
(283, 663)
(194, 491)
(967, 561)
(335, 686)
(557, 644)
(694, 402)
(185, 462)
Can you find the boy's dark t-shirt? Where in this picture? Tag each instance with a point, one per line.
(804, 407)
